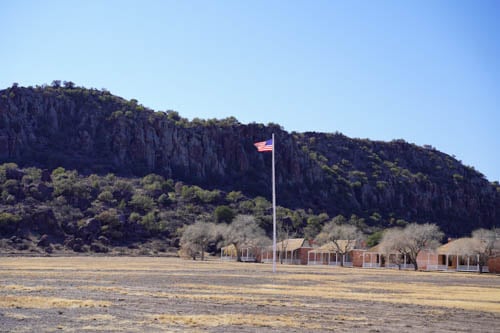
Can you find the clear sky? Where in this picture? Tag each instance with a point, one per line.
(423, 71)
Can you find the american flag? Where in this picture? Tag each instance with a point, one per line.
(264, 145)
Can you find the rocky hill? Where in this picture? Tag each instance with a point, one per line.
(93, 131)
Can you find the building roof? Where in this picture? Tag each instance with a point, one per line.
(331, 247)
(292, 244)
(375, 249)
(229, 250)
(461, 245)
(454, 246)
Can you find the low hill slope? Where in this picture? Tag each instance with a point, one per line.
(94, 131)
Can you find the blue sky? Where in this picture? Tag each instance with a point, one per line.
(423, 71)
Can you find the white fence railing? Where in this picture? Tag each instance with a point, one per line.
(371, 265)
(437, 267)
(338, 263)
(281, 261)
(403, 266)
(289, 261)
(471, 268)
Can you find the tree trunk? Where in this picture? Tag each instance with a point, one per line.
(202, 249)
(238, 255)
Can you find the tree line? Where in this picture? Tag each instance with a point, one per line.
(406, 241)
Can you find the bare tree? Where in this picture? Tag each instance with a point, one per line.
(343, 236)
(411, 240)
(283, 234)
(483, 244)
(394, 242)
(196, 237)
(244, 231)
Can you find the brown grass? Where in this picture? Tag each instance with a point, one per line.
(463, 297)
(47, 302)
(303, 296)
(102, 317)
(229, 319)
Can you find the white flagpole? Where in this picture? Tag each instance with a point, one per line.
(274, 210)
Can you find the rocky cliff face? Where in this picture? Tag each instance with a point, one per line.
(96, 132)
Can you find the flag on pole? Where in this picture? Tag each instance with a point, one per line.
(264, 145)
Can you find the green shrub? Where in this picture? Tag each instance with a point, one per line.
(142, 203)
(8, 221)
(107, 197)
(224, 214)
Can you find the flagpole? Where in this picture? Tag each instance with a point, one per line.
(274, 210)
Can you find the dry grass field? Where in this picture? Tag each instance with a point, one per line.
(143, 294)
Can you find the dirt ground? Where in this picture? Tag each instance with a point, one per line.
(144, 294)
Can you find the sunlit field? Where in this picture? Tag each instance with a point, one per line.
(143, 294)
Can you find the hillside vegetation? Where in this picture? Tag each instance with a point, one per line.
(174, 171)
(95, 213)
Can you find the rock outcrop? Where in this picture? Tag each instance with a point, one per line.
(95, 132)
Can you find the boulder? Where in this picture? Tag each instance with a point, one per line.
(98, 248)
(44, 241)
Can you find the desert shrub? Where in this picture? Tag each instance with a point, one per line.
(12, 186)
(67, 183)
(32, 175)
(152, 224)
(153, 184)
(151, 179)
(142, 203)
(188, 193)
(234, 196)
(224, 214)
(134, 217)
(106, 197)
(122, 190)
(208, 196)
(8, 222)
(3, 170)
(111, 226)
(109, 217)
(8, 198)
(164, 200)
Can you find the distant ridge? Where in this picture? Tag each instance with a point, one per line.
(94, 131)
